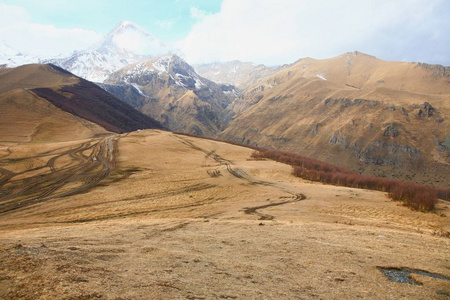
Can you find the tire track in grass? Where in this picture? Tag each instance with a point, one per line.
(242, 175)
(85, 174)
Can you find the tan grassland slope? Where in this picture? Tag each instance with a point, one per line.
(384, 118)
(25, 117)
(34, 76)
(46, 103)
(163, 216)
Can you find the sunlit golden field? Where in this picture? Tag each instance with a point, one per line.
(163, 216)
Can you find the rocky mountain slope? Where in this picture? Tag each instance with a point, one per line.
(123, 45)
(384, 118)
(240, 74)
(45, 102)
(169, 90)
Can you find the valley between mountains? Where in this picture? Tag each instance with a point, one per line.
(126, 175)
(382, 118)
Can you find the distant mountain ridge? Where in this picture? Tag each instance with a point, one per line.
(240, 74)
(11, 58)
(373, 116)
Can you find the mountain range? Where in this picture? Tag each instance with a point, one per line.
(384, 118)
(144, 177)
(388, 119)
(240, 74)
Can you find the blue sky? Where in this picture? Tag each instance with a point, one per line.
(168, 20)
(271, 32)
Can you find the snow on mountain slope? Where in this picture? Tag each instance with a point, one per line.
(179, 72)
(130, 40)
(125, 44)
(11, 58)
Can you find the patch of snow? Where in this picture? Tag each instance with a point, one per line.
(198, 83)
(178, 81)
(163, 64)
(138, 88)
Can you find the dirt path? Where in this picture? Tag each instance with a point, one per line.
(242, 175)
(254, 210)
(80, 175)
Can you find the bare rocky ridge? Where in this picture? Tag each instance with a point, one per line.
(169, 90)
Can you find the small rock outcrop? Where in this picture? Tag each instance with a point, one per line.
(391, 130)
(426, 110)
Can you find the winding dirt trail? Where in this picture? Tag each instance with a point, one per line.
(83, 173)
(242, 175)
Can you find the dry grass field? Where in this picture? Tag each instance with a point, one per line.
(155, 215)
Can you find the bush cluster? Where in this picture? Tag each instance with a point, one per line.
(413, 195)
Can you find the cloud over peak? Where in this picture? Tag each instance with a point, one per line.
(277, 32)
(17, 29)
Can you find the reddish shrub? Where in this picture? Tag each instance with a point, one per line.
(415, 196)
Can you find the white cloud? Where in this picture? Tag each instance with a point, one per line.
(17, 29)
(277, 32)
(198, 14)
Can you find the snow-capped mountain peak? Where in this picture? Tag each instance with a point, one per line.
(125, 44)
(130, 39)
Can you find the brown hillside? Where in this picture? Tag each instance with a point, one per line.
(42, 102)
(389, 119)
(26, 117)
(34, 76)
